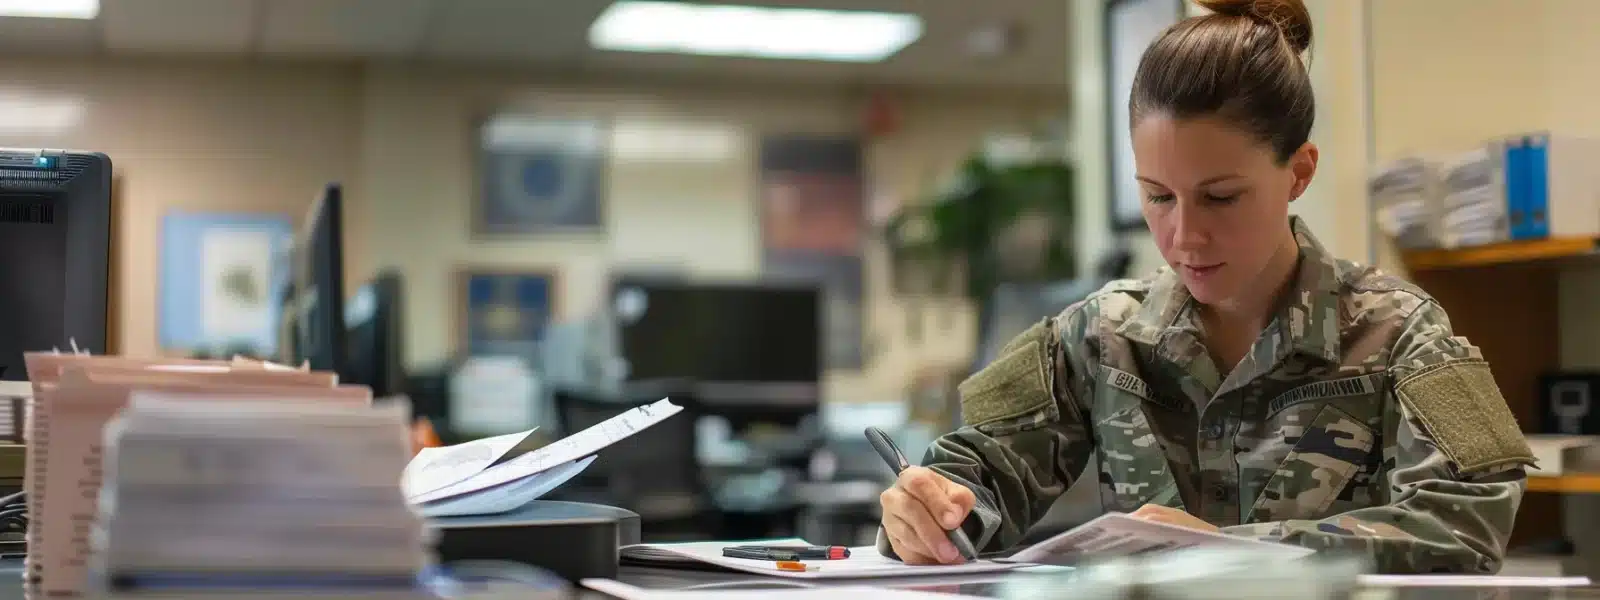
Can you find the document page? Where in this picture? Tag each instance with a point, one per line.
(507, 497)
(569, 449)
(1117, 534)
(864, 562)
(623, 591)
(434, 468)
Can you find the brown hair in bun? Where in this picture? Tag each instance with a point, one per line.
(1240, 64)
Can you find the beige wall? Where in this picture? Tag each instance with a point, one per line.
(416, 175)
(237, 137)
(1449, 74)
(195, 136)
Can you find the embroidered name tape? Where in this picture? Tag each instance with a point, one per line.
(1323, 390)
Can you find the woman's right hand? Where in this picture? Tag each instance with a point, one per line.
(919, 510)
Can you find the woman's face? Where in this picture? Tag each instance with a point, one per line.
(1217, 203)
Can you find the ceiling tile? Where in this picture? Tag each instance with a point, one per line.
(345, 27)
(178, 25)
(514, 29)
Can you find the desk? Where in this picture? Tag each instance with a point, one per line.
(974, 585)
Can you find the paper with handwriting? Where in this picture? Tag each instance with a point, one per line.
(571, 448)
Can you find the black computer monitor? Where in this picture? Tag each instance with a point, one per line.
(313, 315)
(745, 334)
(373, 336)
(55, 246)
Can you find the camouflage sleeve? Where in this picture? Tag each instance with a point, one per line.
(1024, 438)
(1453, 465)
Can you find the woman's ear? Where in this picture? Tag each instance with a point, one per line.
(1302, 166)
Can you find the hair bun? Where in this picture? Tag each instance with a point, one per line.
(1291, 17)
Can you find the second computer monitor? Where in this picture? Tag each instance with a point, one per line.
(757, 334)
(314, 315)
(374, 335)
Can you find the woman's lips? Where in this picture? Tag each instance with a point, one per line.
(1201, 272)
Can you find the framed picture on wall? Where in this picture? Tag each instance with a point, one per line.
(504, 312)
(1130, 27)
(222, 278)
(539, 174)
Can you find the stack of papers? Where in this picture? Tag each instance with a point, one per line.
(1474, 199)
(1117, 534)
(257, 489)
(500, 474)
(1405, 198)
(75, 396)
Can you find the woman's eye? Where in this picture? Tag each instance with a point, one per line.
(1222, 199)
(1158, 198)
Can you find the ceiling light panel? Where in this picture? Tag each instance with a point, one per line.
(753, 31)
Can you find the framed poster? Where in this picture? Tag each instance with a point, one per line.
(1130, 27)
(503, 312)
(540, 174)
(222, 278)
(813, 221)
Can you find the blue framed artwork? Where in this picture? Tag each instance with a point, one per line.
(222, 276)
(540, 175)
(505, 313)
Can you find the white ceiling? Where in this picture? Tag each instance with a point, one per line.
(543, 33)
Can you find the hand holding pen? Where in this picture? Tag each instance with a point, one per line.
(923, 512)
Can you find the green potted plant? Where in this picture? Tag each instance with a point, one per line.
(998, 222)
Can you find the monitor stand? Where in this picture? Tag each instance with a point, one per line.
(574, 540)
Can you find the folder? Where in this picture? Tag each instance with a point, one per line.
(75, 396)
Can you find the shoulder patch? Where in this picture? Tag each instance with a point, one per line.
(1460, 405)
(1015, 385)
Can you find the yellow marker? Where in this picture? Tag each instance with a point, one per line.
(789, 565)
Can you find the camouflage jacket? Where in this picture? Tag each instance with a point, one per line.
(1358, 421)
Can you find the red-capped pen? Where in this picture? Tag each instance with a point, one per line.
(787, 553)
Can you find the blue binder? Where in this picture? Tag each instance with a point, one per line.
(1537, 201)
(1515, 186)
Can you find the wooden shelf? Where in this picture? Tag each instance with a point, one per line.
(1505, 253)
(1585, 483)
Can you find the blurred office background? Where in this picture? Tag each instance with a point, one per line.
(552, 230)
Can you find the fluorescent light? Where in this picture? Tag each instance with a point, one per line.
(51, 9)
(753, 31)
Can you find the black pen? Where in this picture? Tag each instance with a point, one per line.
(897, 460)
(787, 552)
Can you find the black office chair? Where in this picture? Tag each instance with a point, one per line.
(654, 473)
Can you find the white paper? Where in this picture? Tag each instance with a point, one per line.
(864, 562)
(1470, 581)
(226, 256)
(570, 448)
(434, 468)
(1117, 534)
(507, 497)
(623, 591)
